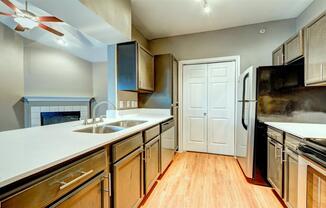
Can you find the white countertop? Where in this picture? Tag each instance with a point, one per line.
(301, 130)
(28, 151)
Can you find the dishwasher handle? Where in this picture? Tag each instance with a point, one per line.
(167, 125)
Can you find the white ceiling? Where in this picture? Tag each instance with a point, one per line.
(164, 18)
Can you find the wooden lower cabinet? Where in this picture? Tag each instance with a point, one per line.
(77, 184)
(152, 163)
(128, 180)
(316, 189)
(91, 194)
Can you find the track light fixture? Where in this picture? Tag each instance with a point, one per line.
(205, 5)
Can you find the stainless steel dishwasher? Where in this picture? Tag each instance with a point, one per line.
(291, 171)
(169, 143)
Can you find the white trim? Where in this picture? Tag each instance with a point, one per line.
(236, 59)
(56, 99)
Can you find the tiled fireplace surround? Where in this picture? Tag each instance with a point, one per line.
(34, 106)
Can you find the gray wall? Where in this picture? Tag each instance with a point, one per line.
(100, 84)
(313, 11)
(246, 41)
(100, 81)
(11, 80)
(54, 72)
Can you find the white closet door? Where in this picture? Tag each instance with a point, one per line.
(221, 107)
(195, 107)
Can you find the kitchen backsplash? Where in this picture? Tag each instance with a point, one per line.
(299, 104)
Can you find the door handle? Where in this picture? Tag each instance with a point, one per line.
(243, 103)
(205, 114)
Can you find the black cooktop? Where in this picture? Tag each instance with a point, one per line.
(315, 149)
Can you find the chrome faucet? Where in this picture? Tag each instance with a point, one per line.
(94, 112)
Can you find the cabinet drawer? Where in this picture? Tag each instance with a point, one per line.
(126, 146)
(151, 133)
(275, 134)
(59, 184)
(291, 141)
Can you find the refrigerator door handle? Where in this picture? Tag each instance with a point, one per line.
(244, 103)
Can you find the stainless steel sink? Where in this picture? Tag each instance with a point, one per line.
(104, 129)
(127, 123)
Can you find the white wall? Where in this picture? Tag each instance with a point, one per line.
(54, 72)
(11, 80)
(246, 41)
(313, 11)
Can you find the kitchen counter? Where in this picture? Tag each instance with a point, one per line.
(28, 151)
(301, 130)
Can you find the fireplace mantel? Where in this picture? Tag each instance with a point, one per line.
(56, 99)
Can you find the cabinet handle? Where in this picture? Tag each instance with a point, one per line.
(281, 152)
(66, 184)
(321, 69)
(109, 181)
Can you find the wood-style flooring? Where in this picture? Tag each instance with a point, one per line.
(196, 180)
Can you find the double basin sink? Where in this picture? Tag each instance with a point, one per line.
(111, 127)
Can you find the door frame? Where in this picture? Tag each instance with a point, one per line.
(182, 63)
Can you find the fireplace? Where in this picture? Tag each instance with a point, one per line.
(41, 111)
(48, 118)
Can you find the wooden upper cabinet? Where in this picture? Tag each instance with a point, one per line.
(315, 52)
(135, 68)
(278, 56)
(146, 70)
(293, 48)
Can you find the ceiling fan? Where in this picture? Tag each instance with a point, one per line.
(27, 20)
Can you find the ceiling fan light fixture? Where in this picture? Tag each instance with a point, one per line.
(62, 42)
(207, 9)
(26, 22)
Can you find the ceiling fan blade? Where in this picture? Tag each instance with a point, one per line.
(50, 30)
(10, 5)
(49, 19)
(5, 14)
(20, 28)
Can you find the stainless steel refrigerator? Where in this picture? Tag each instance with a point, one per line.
(246, 119)
(263, 95)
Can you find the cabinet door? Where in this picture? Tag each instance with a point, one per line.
(91, 194)
(315, 51)
(291, 179)
(293, 48)
(278, 57)
(128, 180)
(152, 163)
(275, 166)
(316, 189)
(145, 70)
